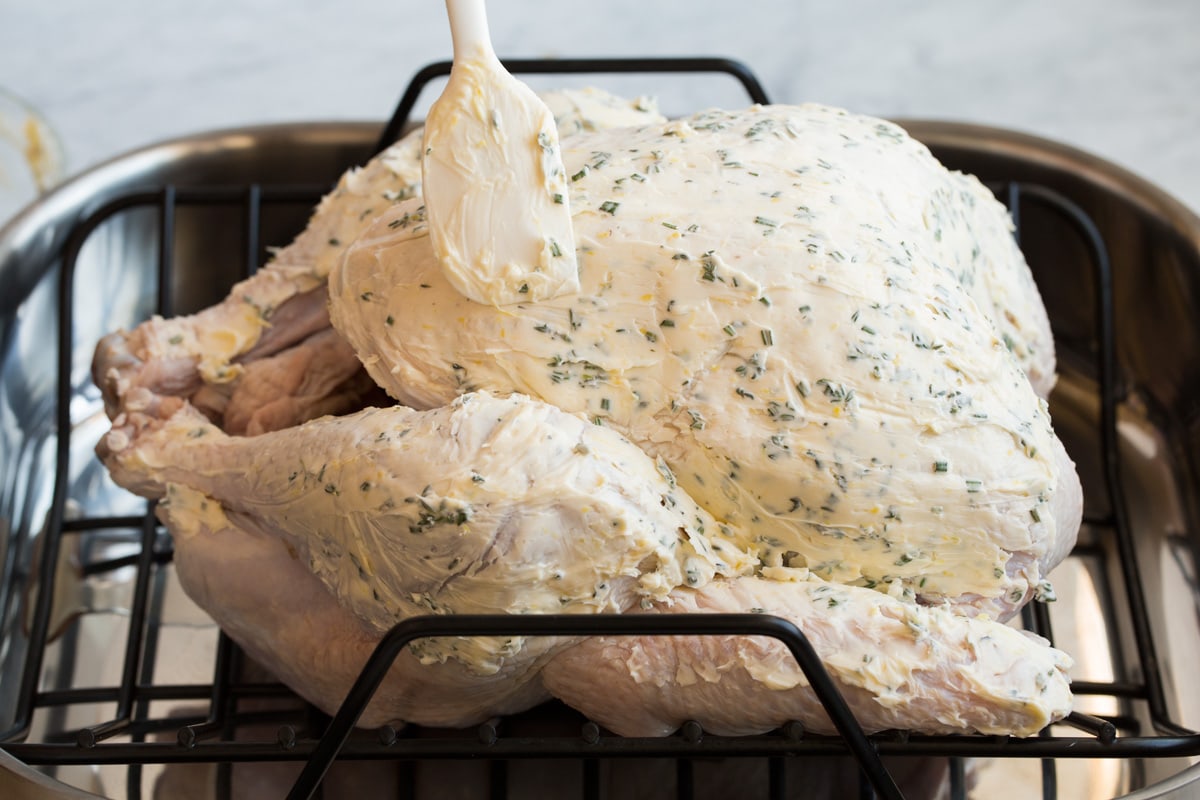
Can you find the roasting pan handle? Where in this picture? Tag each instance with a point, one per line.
(575, 66)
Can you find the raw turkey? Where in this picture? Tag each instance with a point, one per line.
(799, 370)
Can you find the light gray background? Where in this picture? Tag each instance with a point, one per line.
(1119, 78)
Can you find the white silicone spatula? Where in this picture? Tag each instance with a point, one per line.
(493, 179)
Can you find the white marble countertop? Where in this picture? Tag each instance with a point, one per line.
(1118, 78)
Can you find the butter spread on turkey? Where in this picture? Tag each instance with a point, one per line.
(780, 304)
(541, 512)
(898, 664)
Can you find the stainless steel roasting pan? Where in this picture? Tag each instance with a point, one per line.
(111, 682)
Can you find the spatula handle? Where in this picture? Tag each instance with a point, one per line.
(469, 29)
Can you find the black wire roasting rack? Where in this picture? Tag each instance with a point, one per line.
(136, 735)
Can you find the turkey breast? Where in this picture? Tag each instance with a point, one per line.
(790, 307)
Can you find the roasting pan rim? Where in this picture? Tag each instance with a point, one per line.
(30, 240)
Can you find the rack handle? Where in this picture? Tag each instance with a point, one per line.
(574, 66)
